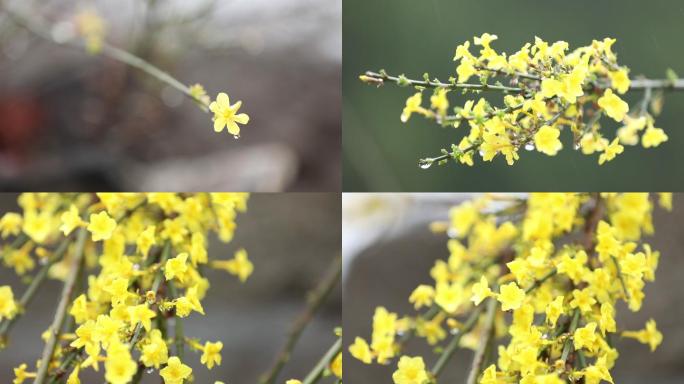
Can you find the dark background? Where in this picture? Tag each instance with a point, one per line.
(290, 238)
(387, 271)
(412, 37)
(73, 121)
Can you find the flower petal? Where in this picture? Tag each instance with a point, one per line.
(222, 99)
(219, 123)
(242, 118)
(233, 128)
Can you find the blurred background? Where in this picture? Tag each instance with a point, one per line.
(74, 121)
(412, 37)
(388, 250)
(252, 319)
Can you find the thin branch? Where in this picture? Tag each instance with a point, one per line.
(568, 342)
(380, 78)
(31, 290)
(317, 297)
(60, 314)
(39, 28)
(178, 334)
(647, 84)
(455, 341)
(487, 335)
(317, 372)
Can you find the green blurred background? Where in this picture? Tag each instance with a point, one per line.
(412, 37)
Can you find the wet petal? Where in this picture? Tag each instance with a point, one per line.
(242, 118)
(219, 123)
(233, 128)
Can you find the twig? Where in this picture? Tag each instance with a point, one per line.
(31, 290)
(60, 314)
(317, 298)
(178, 338)
(379, 78)
(453, 344)
(317, 372)
(568, 342)
(38, 27)
(487, 335)
(137, 333)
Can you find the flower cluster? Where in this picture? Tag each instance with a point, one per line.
(140, 259)
(544, 274)
(549, 89)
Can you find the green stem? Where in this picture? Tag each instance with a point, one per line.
(31, 290)
(488, 334)
(60, 314)
(156, 284)
(317, 372)
(39, 28)
(453, 344)
(568, 342)
(179, 340)
(317, 297)
(379, 78)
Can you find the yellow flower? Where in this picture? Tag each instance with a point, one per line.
(175, 371)
(546, 140)
(481, 291)
(619, 80)
(155, 352)
(239, 266)
(101, 226)
(225, 115)
(8, 306)
(20, 374)
(554, 310)
(412, 105)
(10, 224)
(594, 374)
(439, 101)
(198, 93)
(119, 366)
(614, 106)
(336, 366)
(146, 240)
(71, 220)
(649, 335)
(411, 370)
(73, 377)
(511, 296)
(422, 296)
(293, 381)
(211, 354)
(489, 376)
(611, 151)
(176, 267)
(585, 337)
(141, 314)
(449, 296)
(361, 351)
(653, 137)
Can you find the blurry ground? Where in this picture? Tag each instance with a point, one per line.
(401, 255)
(291, 239)
(71, 121)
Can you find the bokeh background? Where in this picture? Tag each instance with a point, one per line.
(388, 250)
(290, 238)
(412, 37)
(73, 121)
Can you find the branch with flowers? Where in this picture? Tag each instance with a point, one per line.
(133, 267)
(89, 34)
(546, 89)
(531, 288)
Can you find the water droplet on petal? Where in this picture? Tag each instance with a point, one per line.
(236, 137)
(529, 146)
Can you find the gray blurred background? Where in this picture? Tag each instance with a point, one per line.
(290, 238)
(73, 121)
(383, 267)
(412, 37)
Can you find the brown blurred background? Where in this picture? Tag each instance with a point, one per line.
(388, 251)
(290, 238)
(73, 121)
